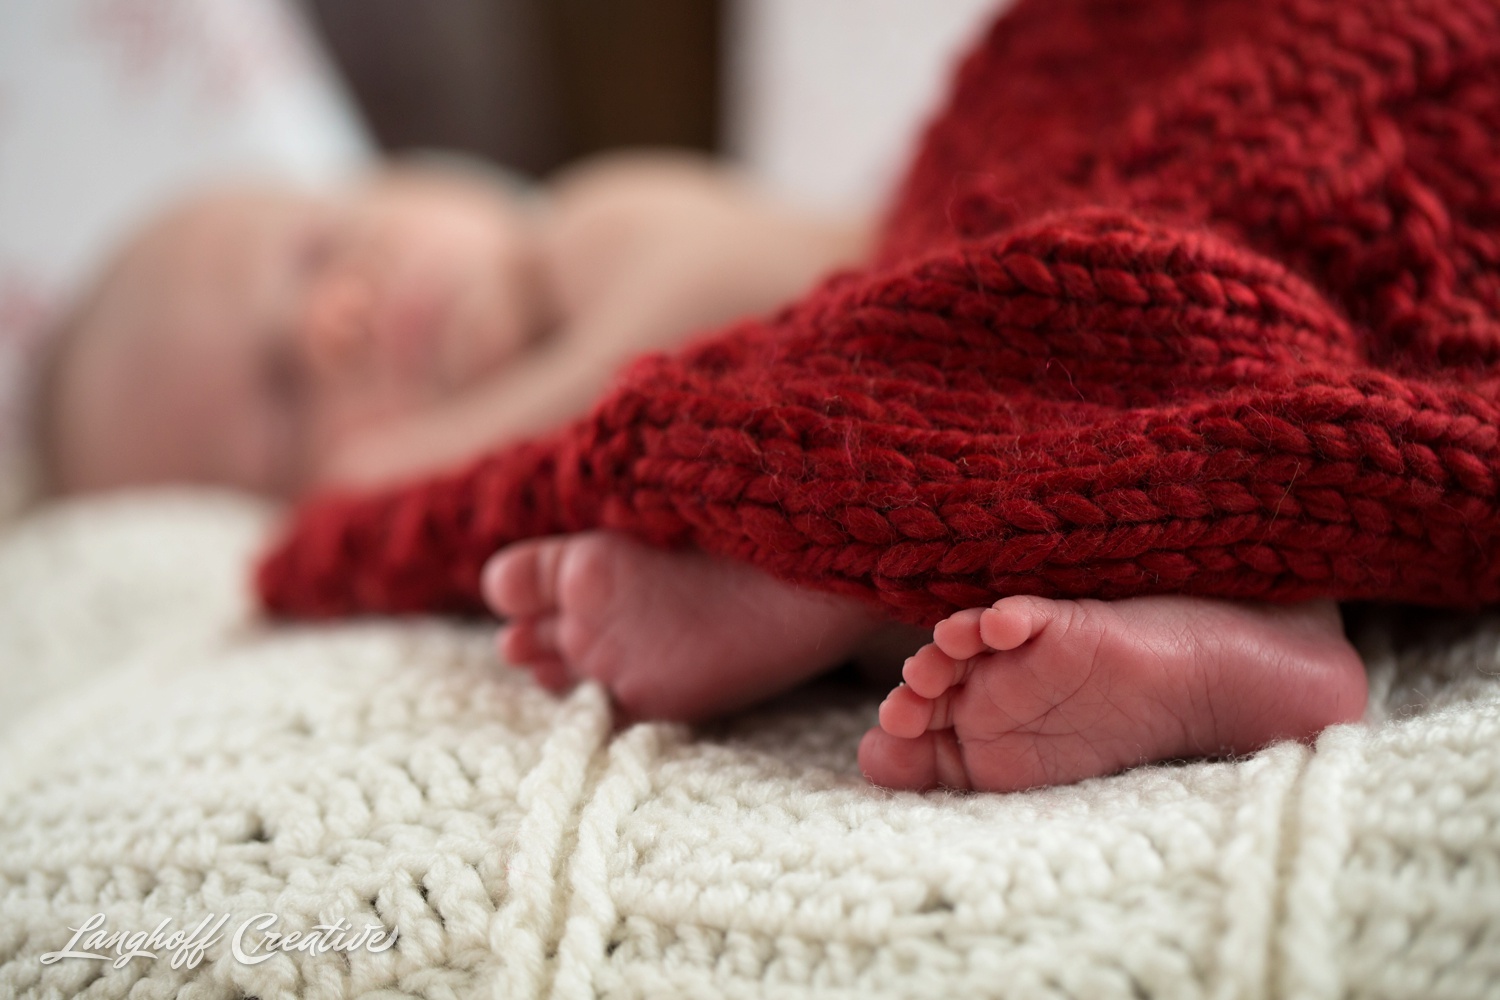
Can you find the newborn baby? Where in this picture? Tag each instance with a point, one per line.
(275, 341)
(253, 336)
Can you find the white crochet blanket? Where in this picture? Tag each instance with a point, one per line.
(166, 757)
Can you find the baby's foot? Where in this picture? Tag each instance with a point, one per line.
(673, 635)
(1037, 692)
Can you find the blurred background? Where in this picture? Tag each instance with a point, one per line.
(819, 97)
(530, 83)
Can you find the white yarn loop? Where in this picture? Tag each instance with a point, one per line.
(166, 757)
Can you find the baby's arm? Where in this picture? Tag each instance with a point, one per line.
(638, 252)
(642, 250)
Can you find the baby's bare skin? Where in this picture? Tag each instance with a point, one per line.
(1035, 692)
(1030, 692)
(279, 340)
(673, 635)
(636, 253)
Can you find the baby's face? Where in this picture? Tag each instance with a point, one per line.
(250, 336)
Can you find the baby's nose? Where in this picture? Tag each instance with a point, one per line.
(335, 325)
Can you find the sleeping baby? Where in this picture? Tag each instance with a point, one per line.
(277, 341)
(271, 339)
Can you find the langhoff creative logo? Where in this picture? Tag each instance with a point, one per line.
(252, 942)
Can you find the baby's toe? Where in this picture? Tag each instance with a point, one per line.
(931, 760)
(930, 671)
(1013, 620)
(528, 640)
(552, 675)
(531, 644)
(905, 713)
(958, 634)
(521, 580)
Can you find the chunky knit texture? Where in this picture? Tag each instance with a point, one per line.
(187, 763)
(1179, 295)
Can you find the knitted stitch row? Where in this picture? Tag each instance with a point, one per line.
(1178, 296)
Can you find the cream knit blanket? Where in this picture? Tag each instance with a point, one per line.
(166, 758)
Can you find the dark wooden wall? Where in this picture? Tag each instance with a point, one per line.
(530, 83)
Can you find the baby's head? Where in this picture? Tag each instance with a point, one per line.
(249, 335)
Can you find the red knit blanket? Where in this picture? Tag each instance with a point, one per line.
(1177, 296)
